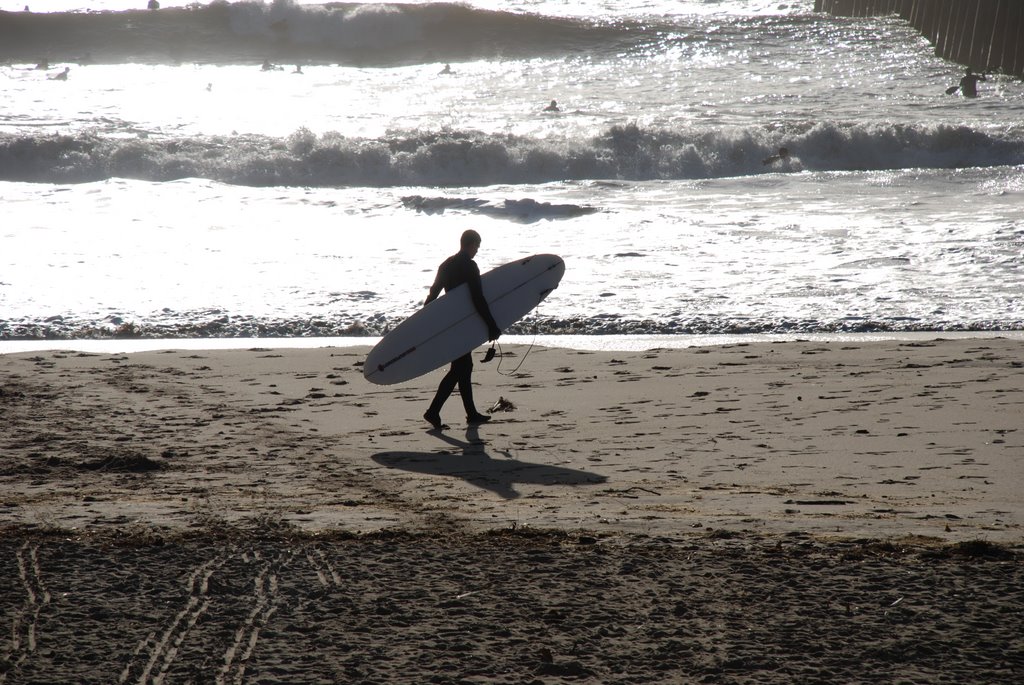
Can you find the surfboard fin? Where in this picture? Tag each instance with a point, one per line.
(489, 355)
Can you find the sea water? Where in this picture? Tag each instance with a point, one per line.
(175, 187)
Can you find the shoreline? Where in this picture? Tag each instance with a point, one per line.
(609, 343)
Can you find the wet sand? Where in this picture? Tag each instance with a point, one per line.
(778, 512)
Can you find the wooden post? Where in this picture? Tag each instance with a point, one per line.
(970, 23)
(1017, 44)
(995, 36)
(931, 12)
(906, 9)
(981, 34)
(1011, 37)
(960, 27)
(965, 53)
(944, 28)
(981, 40)
(914, 16)
(917, 15)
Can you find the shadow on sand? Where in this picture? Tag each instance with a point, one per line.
(474, 465)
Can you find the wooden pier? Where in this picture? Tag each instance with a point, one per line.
(986, 35)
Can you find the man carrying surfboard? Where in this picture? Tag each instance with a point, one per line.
(453, 272)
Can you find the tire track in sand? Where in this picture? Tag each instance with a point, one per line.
(26, 620)
(166, 648)
(265, 591)
(325, 572)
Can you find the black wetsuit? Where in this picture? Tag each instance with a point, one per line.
(969, 85)
(453, 272)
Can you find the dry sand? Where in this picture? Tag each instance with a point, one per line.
(756, 513)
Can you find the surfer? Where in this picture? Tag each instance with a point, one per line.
(453, 272)
(552, 107)
(969, 83)
(781, 157)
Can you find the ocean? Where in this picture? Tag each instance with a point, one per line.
(286, 169)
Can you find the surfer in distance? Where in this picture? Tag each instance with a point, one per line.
(453, 272)
(969, 83)
(552, 107)
(782, 156)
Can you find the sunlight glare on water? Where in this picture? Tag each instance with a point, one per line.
(208, 188)
(568, 8)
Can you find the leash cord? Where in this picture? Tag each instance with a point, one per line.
(501, 356)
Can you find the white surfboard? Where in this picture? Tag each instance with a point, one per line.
(450, 326)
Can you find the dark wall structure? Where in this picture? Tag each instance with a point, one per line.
(986, 35)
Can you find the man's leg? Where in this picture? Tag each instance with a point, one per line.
(444, 391)
(465, 371)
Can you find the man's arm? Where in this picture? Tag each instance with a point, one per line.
(476, 293)
(435, 289)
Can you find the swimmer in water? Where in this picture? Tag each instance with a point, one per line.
(969, 83)
(553, 107)
(782, 156)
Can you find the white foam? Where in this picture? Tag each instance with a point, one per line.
(604, 343)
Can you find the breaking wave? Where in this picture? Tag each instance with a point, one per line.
(468, 158)
(359, 33)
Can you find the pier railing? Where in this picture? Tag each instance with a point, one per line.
(986, 35)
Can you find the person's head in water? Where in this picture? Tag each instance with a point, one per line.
(470, 242)
(781, 157)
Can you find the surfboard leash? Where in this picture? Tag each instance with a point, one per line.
(501, 355)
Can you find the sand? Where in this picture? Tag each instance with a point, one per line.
(757, 513)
